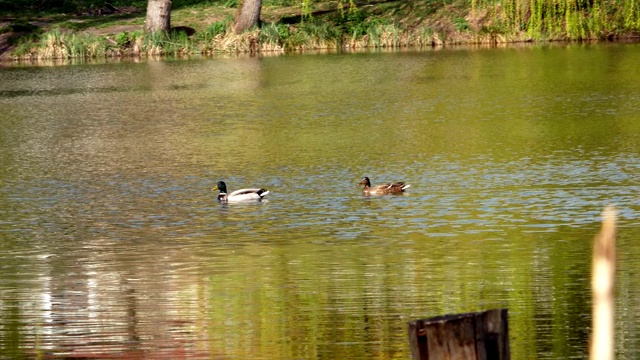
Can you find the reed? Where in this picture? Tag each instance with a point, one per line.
(153, 43)
(78, 46)
(56, 44)
(245, 42)
(52, 46)
(178, 43)
(25, 47)
(172, 43)
(426, 36)
(311, 34)
(215, 29)
(379, 35)
(274, 36)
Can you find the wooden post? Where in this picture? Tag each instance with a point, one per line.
(472, 336)
(602, 286)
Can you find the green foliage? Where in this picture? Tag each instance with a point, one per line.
(129, 38)
(596, 20)
(373, 26)
(49, 6)
(383, 35)
(631, 15)
(354, 22)
(25, 45)
(351, 8)
(122, 39)
(272, 33)
(282, 2)
(154, 42)
(305, 9)
(173, 43)
(283, 31)
(309, 34)
(135, 3)
(571, 19)
(179, 42)
(76, 46)
(51, 39)
(319, 29)
(427, 33)
(177, 4)
(461, 24)
(217, 28)
(69, 25)
(58, 44)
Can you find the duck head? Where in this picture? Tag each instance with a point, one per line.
(220, 186)
(365, 181)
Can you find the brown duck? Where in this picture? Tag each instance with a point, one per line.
(395, 188)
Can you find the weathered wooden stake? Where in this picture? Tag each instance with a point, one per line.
(602, 286)
(473, 336)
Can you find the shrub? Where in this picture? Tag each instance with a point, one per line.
(461, 24)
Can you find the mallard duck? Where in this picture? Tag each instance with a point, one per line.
(395, 188)
(239, 195)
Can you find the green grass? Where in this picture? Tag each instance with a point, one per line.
(275, 34)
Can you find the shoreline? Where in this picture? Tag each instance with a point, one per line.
(45, 62)
(96, 38)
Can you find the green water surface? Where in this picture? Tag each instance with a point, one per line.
(112, 243)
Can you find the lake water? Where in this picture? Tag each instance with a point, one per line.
(112, 243)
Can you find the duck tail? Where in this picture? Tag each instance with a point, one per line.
(405, 187)
(263, 193)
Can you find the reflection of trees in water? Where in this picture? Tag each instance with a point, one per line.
(133, 341)
(91, 303)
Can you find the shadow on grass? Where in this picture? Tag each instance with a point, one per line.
(80, 15)
(62, 8)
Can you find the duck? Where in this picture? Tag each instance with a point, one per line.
(395, 188)
(239, 195)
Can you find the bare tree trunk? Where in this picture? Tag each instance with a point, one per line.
(158, 16)
(248, 15)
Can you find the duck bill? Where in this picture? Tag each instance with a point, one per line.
(215, 188)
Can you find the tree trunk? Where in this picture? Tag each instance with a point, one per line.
(248, 15)
(158, 16)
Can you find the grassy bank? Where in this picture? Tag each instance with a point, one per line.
(91, 29)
